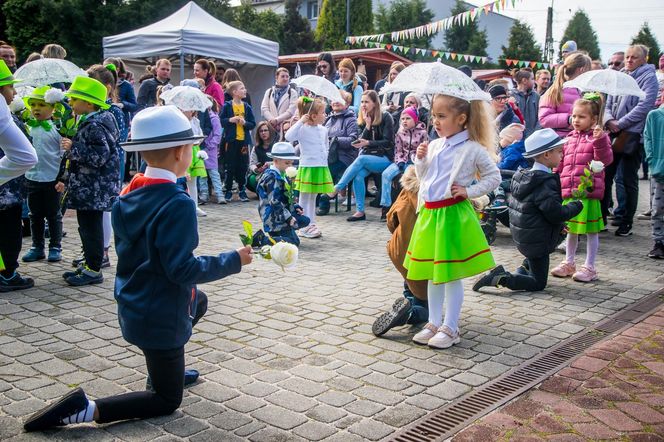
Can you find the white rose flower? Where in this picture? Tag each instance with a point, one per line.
(596, 166)
(291, 172)
(54, 95)
(17, 105)
(284, 254)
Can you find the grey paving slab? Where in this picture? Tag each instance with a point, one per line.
(290, 356)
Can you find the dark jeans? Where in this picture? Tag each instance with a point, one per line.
(289, 234)
(11, 238)
(91, 231)
(236, 162)
(419, 310)
(44, 204)
(630, 172)
(535, 280)
(166, 371)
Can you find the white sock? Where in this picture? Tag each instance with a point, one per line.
(454, 298)
(108, 229)
(436, 298)
(85, 415)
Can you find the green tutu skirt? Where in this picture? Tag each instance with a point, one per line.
(589, 220)
(447, 244)
(314, 180)
(197, 167)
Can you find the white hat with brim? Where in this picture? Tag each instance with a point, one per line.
(283, 151)
(160, 127)
(541, 141)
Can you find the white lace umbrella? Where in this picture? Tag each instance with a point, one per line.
(607, 81)
(436, 78)
(319, 86)
(187, 98)
(47, 71)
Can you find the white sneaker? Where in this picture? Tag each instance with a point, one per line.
(200, 212)
(444, 338)
(311, 231)
(424, 335)
(303, 231)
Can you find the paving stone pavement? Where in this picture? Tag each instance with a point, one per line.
(614, 391)
(290, 356)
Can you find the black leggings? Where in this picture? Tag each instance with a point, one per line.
(535, 280)
(11, 238)
(236, 158)
(44, 204)
(166, 371)
(91, 231)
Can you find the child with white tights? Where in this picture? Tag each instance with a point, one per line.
(447, 244)
(313, 175)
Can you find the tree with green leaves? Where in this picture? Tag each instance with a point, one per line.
(405, 14)
(581, 31)
(462, 38)
(331, 27)
(265, 24)
(295, 35)
(521, 43)
(645, 37)
(31, 38)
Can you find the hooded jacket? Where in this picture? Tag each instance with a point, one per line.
(537, 213)
(579, 150)
(147, 92)
(155, 285)
(401, 221)
(94, 164)
(342, 126)
(406, 142)
(528, 102)
(630, 111)
(653, 136)
(557, 117)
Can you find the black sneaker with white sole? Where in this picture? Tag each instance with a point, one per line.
(73, 402)
(624, 230)
(396, 317)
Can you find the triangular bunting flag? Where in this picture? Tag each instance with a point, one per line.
(466, 57)
(533, 64)
(546, 65)
(434, 53)
(539, 65)
(453, 55)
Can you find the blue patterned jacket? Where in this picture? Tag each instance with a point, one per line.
(13, 192)
(274, 205)
(94, 164)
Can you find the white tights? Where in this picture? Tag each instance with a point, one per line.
(192, 188)
(108, 229)
(308, 203)
(437, 294)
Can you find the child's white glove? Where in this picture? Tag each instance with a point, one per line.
(202, 155)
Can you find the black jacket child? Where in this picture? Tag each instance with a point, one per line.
(94, 164)
(537, 213)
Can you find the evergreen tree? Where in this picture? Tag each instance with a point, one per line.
(458, 37)
(31, 38)
(521, 43)
(295, 35)
(331, 27)
(646, 38)
(581, 31)
(405, 14)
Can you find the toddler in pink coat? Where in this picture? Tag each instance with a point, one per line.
(587, 142)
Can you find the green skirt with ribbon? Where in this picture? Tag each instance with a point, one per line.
(589, 220)
(197, 167)
(314, 180)
(447, 244)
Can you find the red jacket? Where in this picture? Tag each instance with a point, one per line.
(581, 148)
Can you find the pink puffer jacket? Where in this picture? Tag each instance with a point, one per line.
(581, 148)
(557, 117)
(406, 142)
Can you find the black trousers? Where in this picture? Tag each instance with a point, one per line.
(11, 237)
(166, 371)
(535, 280)
(236, 162)
(44, 204)
(631, 162)
(91, 231)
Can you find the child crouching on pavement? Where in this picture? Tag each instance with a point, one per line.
(412, 307)
(537, 215)
(281, 218)
(155, 229)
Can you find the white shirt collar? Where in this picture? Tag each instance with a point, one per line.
(163, 174)
(540, 166)
(458, 138)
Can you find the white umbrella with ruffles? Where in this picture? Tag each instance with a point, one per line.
(46, 71)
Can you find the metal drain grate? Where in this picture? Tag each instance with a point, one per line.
(445, 422)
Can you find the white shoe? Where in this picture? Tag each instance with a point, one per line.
(200, 212)
(311, 231)
(444, 338)
(303, 231)
(424, 335)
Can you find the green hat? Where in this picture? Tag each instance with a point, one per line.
(90, 90)
(6, 76)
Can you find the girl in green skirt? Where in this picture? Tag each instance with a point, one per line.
(197, 168)
(313, 175)
(586, 152)
(447, 244)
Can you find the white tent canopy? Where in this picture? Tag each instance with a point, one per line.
(192, 31)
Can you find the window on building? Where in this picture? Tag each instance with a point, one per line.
(312, 10)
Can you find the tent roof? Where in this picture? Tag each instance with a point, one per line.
(191, 30)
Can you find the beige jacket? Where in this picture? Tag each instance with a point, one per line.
(285, 110)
